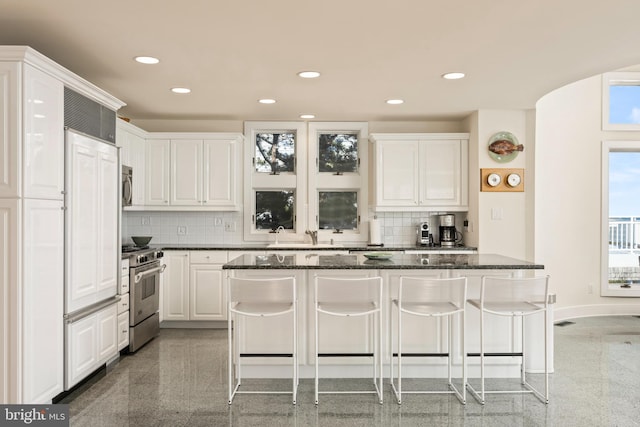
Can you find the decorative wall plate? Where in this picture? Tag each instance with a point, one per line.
(504, 147)
(493, 179)
(513, 180)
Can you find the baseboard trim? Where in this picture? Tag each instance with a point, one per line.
(565, 313)
(194, 324)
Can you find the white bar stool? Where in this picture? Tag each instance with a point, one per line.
(351, 297)
(512, 297)
(427, 297)
(261, 298)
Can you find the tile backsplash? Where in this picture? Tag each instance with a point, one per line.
(183, 227)
(400, 227)
(226, 227)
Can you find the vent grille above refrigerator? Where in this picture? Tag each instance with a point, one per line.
(88, 116)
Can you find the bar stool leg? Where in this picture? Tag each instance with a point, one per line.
(482, 357)
(523, 366)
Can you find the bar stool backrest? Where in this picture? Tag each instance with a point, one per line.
(508, 289)
(269, 290)
(427, 290)
(349, 290)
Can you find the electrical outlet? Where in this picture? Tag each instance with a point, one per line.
(146, 220)
(182, 230)
(230, 226)
(217, 221)
(590, 288)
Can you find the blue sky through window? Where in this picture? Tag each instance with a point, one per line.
(624, 184)
(624, 104)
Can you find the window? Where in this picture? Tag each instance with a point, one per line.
(275, 209)
(620, 218)
(325, 190)
(275, 152)
(338, 180)
(337, 152)
(275, 181)
(338, 210)
(621, 101)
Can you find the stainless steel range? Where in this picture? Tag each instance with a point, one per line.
(144, 294)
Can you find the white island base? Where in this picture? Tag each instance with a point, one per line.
(345, 335)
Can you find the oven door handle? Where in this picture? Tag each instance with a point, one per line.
(139, 276)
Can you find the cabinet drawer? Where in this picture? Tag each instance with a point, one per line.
(208, 257)
(123, 305)
(124, 267)
(123, 330)
(124, 285)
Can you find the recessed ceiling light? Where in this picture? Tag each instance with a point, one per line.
(395, 101)
(267, 101)
(147, 59)
(307, 116)
(180, 90)
(309, 74)
(453, 76)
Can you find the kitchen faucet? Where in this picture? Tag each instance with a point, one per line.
(314, 236)
(278, 232)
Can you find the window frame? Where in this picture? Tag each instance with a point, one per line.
(348, 181)
(630, 78)
(261, 181)
(606, 289)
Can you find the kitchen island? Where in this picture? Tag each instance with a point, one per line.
(420, 334)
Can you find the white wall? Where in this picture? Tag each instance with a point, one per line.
(567, 198)
(512, 234)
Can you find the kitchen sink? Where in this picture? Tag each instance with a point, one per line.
(285, 245)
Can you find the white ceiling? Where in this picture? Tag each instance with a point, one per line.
(233, 52)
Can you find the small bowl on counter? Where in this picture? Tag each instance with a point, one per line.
(141, 241)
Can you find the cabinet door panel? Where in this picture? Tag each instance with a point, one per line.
(397, 169)
(82, 224)
(82, 357)
(157, 157)
(440, 174)
(108, 262)
(175, 286)
(137, 162)
(186, 172)
(208, 294)
(43, 293)
(220, 166)
(43, 135)
(107, 324)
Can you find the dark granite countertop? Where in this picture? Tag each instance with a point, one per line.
(397, 262)
(343, 247)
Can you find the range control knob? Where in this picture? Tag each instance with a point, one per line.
(159, 254)
(142, 258)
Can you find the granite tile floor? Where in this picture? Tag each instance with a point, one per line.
(179, 379)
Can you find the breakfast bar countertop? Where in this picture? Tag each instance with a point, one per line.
(395, 262)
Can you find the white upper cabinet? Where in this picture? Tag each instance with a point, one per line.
(186, 172)
(221, 173)
(420, 171)
(132, 143)
(43, 136)
(201, 171)
(158, 155)
(31, 157)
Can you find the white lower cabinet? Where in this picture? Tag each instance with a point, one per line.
(91, 341)
(194, 286)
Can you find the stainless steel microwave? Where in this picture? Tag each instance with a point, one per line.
(127, 185)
